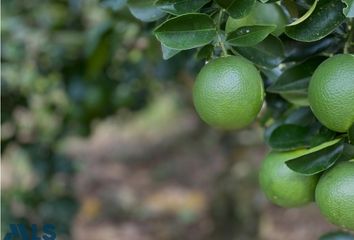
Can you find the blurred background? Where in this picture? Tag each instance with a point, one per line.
(99, 136)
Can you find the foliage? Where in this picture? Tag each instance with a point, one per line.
(287, 61)
(287, 58)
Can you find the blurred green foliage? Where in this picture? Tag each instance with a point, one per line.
(65, 64)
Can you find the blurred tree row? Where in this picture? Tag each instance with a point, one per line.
(66, 64)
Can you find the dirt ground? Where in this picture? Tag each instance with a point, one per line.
(162, 176)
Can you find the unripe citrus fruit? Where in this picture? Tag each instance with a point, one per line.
(331, 92)
(335, 195)
(283, 186)
(228, 92)
(261, 14)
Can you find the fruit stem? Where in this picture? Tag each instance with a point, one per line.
(349, 41)
(221, 42)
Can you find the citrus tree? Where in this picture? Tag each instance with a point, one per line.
(287, 64)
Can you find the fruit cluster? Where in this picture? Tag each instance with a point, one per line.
(228, 94)
(293, 59)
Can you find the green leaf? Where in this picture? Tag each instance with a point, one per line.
(145, 10)
(113, 4)
(178, 7)
(261, 14)
(337, 236)
(306, 15)
(249, 35)
(348, 11)
(297, 98)
(323, 135)
(167, 53)
(290, 137)
(298, 51)
(296, 79)
(318, 159)
(351, 134)
(302, 116)
(326, 16)
(186, 31)
(348, 152)
(269, 53)
(293, 83)
(205, 52)
(236, 8)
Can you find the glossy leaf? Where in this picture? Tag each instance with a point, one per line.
(249, 35)
(298, 51)
(178, 7)
(296, 78)
(297, 98)
(236, 9)
(306, 15)
(293, 83)
(167, 53)
(348, 11)
(269, 53)
(348, 152)
(290, 137)
(291, 7)
(145, 10)
(205, 52)
(186, 31)
(326, 16)
(261, 14)
(302, 116)
(322, 135)
(113, 4)
(318, 159)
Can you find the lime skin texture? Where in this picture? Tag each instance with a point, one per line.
(283, 186)
(228, 93)
(335, 195)
(331, 92)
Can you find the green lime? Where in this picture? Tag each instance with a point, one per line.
(331, 92)
(228, 93)
(335, 195)
(283, 186)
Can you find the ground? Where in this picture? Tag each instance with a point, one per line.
(160, 174)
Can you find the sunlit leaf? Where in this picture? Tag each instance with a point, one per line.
(348, 11)
(319, 158)
(249, 35)
(326, 16)
(167, 53)
(186, 31)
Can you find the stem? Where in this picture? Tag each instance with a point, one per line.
(221, 43)
(349, 42)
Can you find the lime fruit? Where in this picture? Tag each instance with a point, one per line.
(283, 186)
(331, 92)
(335, 194)
(261, 14)
(228, 93)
